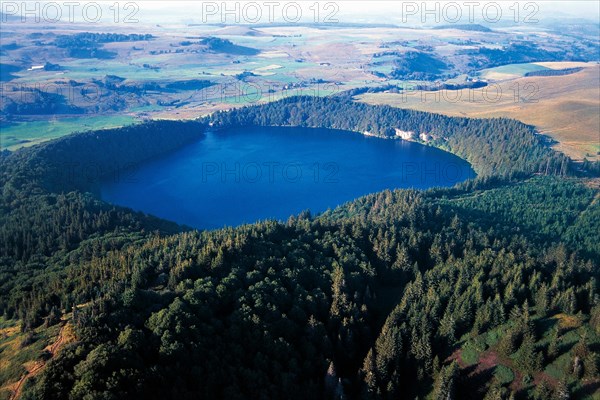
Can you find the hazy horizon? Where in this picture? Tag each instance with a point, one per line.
(408, 13)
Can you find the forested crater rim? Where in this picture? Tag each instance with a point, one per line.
(493, 147)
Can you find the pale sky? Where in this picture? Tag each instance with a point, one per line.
(409, 13)
(383, 11)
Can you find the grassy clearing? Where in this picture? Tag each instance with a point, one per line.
(22, 134)
(482, 353)
(19, 352)
(510, 71)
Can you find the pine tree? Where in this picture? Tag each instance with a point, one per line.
(542, 391)
(562, 391)
(444, 386)
(528, 360)
(555, 339)
(590, 365)
(447, 327)
(368, 375)
(331, 380)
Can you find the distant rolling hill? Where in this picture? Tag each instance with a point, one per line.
(226, 46)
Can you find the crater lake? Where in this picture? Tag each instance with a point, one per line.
(242, 175)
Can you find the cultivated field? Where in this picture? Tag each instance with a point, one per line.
(563, 107)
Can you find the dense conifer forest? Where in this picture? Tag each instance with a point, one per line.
(487, 290)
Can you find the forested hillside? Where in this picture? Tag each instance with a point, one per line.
(396, 294)
(485, 290)
(78, 161)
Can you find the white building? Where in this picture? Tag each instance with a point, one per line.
(406, 135)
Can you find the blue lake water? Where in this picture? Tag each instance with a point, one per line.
(243, 175)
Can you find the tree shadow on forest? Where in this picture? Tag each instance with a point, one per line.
(473, 384)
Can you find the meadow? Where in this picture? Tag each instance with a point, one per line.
(563, 107)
